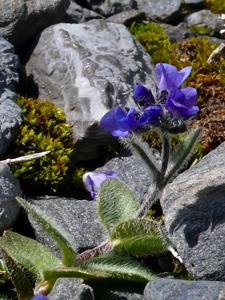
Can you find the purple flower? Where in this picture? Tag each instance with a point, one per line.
(169, 77)
(92, 181)
(142, 96)
(120, 122)
(151, 115)
(40, 297)
(181, 103)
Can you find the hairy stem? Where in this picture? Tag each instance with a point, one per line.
(155, 190)
(102, 249)
(150, 198)
(165, 155)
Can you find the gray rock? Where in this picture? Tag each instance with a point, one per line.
(76, 14)
(88, 69)
(9, 64)
(161, 10)
(77, 217)
(10, 120)
(177, 33)
(171, 289)
(10, 113)
(75, 289)
(127, 17)
(71, 289)
(108, 8)
(194, 209)
(20, 20)
(9, 208)
(205, 18)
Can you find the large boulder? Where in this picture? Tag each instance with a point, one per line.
(22, 19)
(88, 69)
(194, 209)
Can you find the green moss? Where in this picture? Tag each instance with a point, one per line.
(44, 128)
(200, 30)
(150, 35)
(216, 6)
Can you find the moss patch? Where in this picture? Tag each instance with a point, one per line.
(45, 128)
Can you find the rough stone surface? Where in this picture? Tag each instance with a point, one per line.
(160, 10)
(22, 19)
(9, 189)
(10, 120)
(171, 289)
(76, 14)
(9, 64)
(127, 17)
(194, 208)
(10, 113)
(88, 69)
(177, 33)
(71, 289)
(77, 217)
(206, 19)
(108, 8)
(75, 289)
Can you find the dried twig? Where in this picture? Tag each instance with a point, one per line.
(218, 51)
(24, 158)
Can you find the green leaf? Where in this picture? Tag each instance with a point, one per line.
(139, 237)
(62, 238)
(116, 203)
(19, 279)
(182, 154)
(85, 274)
(120, 267)
(51, 275)
(30, 254)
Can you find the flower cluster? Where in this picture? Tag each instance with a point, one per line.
(170, 108)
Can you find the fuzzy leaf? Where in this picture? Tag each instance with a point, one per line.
(85, 274)
(116, 203)
(51, 275)
(30, 254)
(60, 236)
(120, 267)
(182, 154)
(19, 279)
(139, 237)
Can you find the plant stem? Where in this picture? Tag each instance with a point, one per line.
(106, 247)
(165, 154)
(24, 158)
(155, 190)
(150, 198)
